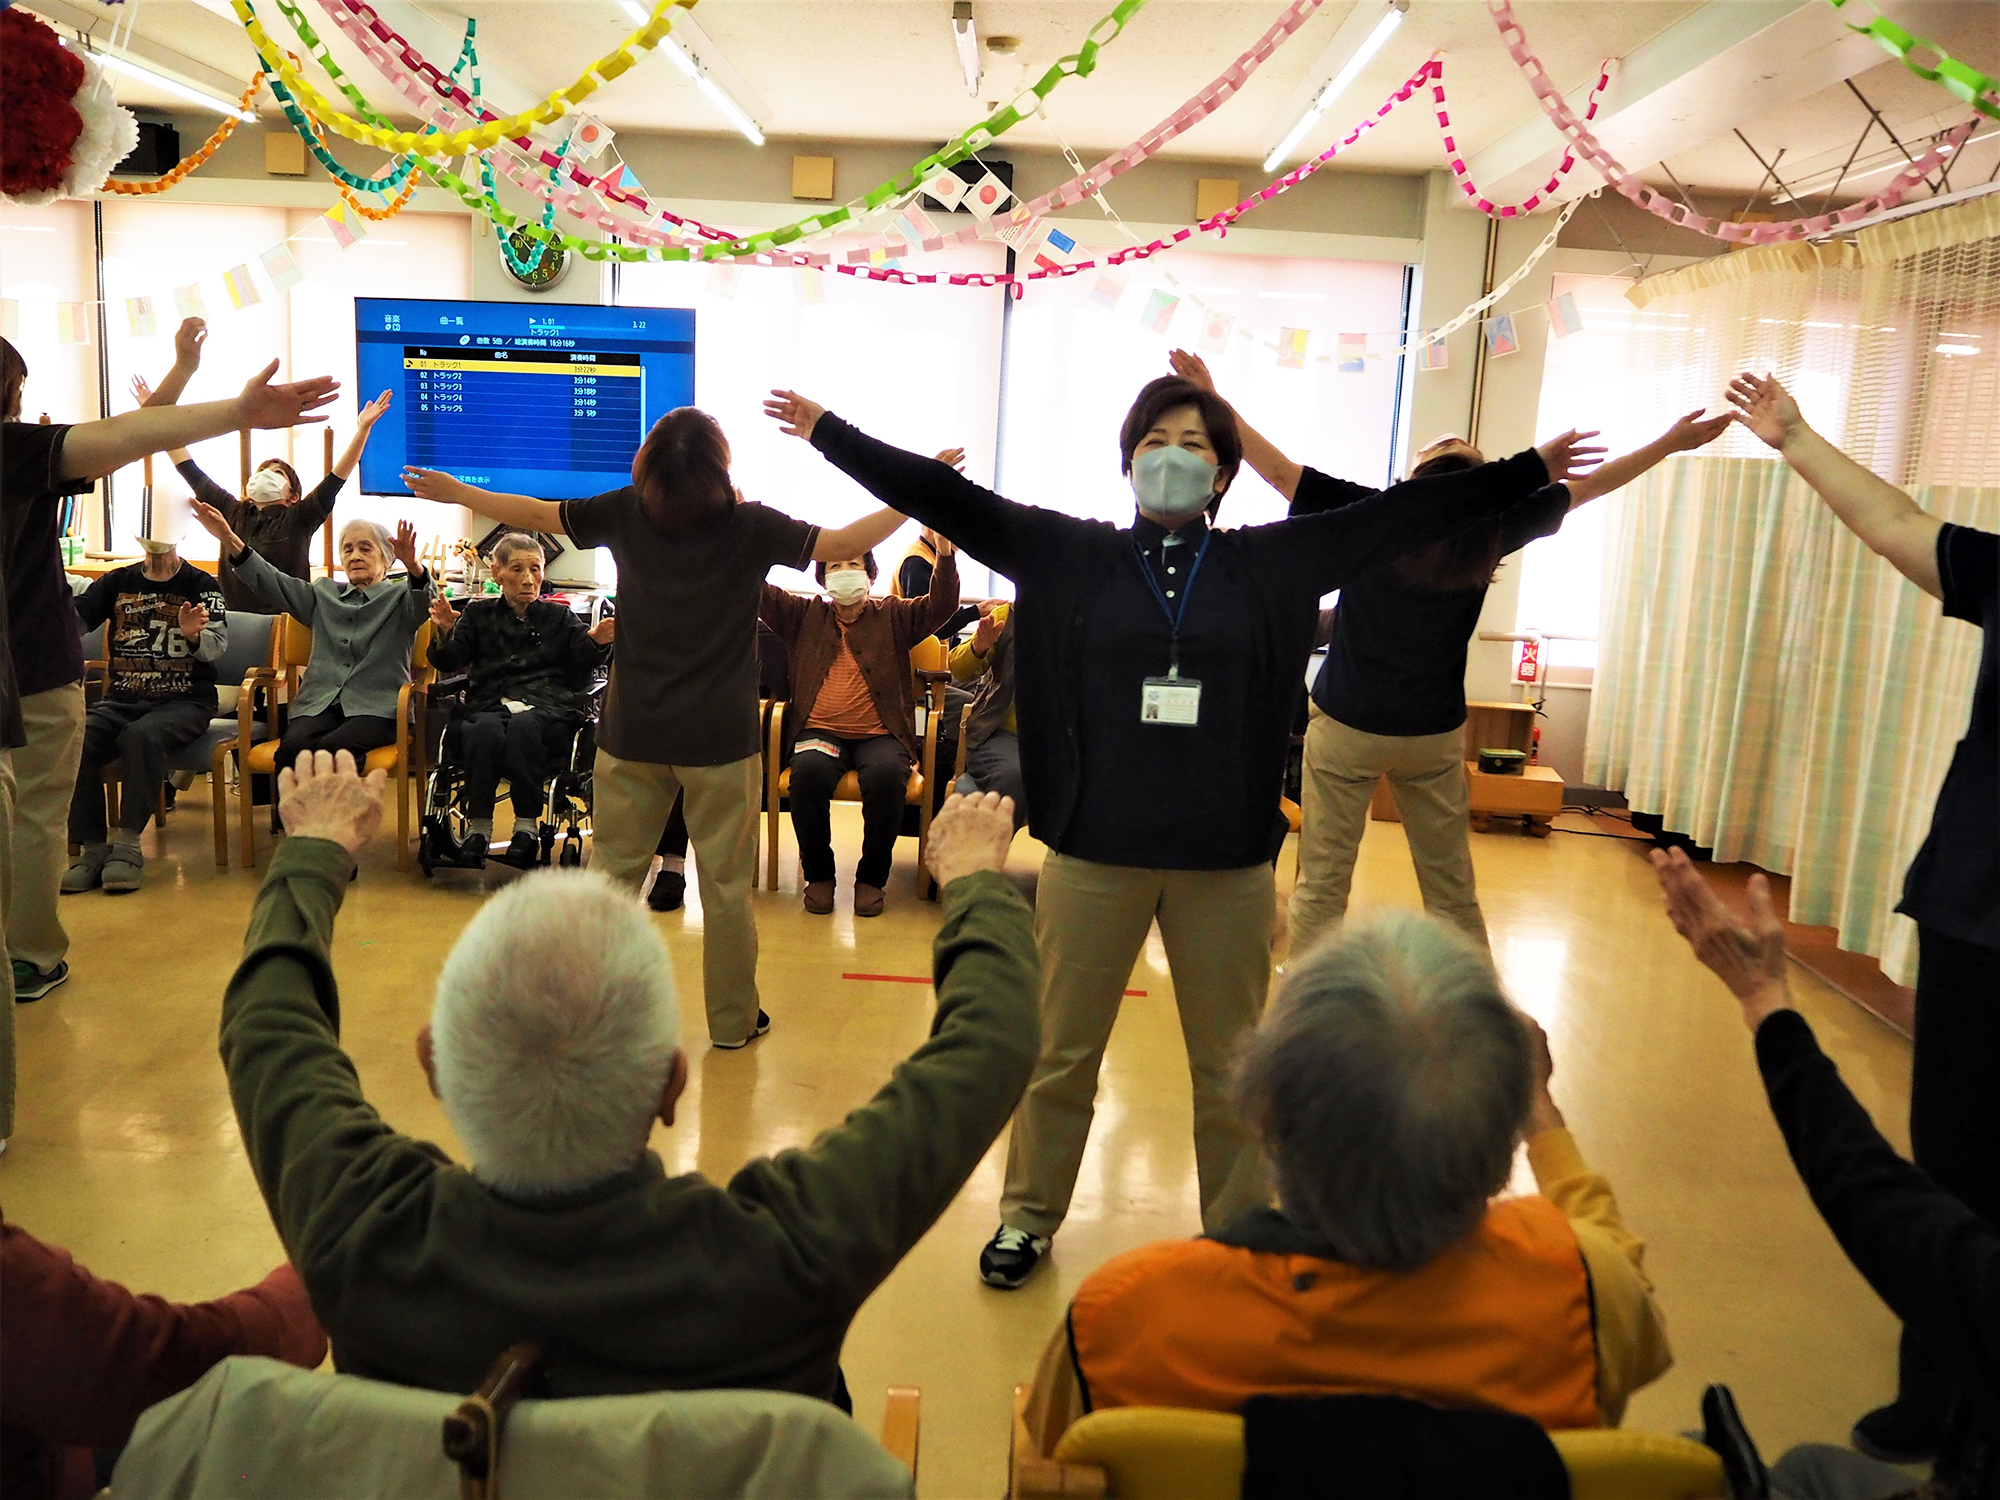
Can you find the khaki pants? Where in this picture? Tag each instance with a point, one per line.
(633, 800)
(1091, 922)
(1427, 778)
(34, 825)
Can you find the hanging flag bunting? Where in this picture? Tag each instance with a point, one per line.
(1500, 339)
(988, 196)
(1159, 312)
(1564, 319)
(188, 303)
(916, 226)
(723, 278)
(280, 267)
(242, 290)
(811, 289)
(346, 226)
(1109, 287)
(1433, 353)
(1055, 249)
(1017, 236)
(139, 319)
(1353, 354)
(881, 257)
(1215, 330)
(72, 322)
(947, 188)
(1292, 348)
(591, 136)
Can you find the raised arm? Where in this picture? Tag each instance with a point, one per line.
(1276, 470)
(188, 339)
(93, 449)
(1887, 520)
(292, 595)
(1690, 432)
(206, 489)
(364, 423)
(523, 511)
(857, 537)
(937, 605)
(782, 610)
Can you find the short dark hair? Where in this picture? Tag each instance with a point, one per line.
(1170, 393)
(1462, 561)
(13, 375)
(291, 475)
(681, 471)
(867, 561)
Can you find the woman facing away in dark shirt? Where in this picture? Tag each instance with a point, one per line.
(1157, 673)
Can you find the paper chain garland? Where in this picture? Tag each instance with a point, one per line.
(1967, 82)
(188, 164)
(1460, 171)
(1658, 204)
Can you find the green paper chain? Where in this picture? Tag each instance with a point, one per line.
(1963, 80)
(1079, 64)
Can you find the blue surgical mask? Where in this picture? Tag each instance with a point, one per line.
(1172, 482)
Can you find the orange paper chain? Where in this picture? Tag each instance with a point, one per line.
(188, 164)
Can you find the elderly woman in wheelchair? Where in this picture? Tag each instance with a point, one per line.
(531, 668)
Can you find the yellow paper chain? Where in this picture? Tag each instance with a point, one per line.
(480, 137)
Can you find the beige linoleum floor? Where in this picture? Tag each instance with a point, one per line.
(126, 1151)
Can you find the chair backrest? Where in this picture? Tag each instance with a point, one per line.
(257, 1427)
(420, 655)
(93, 644)
(252, 644)
(297, 648)
(930, 655)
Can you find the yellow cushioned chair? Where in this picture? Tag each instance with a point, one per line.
(928, 662)
(404, 760)
(1156, 1453)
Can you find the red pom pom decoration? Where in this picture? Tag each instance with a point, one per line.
(39, 124)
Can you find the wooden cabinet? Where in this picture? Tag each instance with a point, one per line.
(1535, 795)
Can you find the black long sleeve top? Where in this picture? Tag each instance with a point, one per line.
(1102, 784)
(1932, 1259)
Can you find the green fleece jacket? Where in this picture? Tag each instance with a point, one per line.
(423, 1276)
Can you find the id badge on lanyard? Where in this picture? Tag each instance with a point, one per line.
(1173, 699)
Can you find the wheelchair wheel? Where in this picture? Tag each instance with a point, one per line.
(572, 853)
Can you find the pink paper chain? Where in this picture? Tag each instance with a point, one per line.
(1460, 171)
(1658, 204)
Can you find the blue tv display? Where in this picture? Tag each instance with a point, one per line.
(531, 398)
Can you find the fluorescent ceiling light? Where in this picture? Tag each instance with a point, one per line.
(173, 86)
(1353, 47)
(967, 41)
(695, 55)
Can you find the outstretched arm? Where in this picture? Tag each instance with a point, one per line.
(364, 423)
(524, 511)
(857, 537)
(1886, 519)
(96, 448)
(1691, 431)
(1276, 470)
(188, 339)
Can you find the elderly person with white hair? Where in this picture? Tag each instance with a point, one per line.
(1389, 1084)
(554, 1045)
(363, 631)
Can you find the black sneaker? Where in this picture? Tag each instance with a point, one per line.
(763, 1025)
(473, 850)
(1010, 1257)
(1895, 1434)
(31, 983)
(668, 892)
(524, 851)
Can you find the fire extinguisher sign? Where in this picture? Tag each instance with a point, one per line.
(1527, 667)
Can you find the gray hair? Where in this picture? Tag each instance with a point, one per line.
(512, 542)
(374, 529)
(1389, 1083)
(555, 1028)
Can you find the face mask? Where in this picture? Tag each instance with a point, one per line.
(157, 549)
(1172, 482)
(267, 487)
(847, 585)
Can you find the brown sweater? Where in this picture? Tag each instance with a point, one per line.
(881, 640)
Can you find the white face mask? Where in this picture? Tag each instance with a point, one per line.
(1172, 482)
(157, 548)
(847, 585)
(267, 487)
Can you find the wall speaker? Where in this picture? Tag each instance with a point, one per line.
(158, 152)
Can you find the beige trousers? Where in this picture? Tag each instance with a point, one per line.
(632, 801)
(1427, 778)
(34, 825)
(1091, 922)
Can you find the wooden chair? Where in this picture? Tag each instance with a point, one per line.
(405, 760)
(928, 663)
(1156, 1453)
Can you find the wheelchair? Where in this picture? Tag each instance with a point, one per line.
(566, 801)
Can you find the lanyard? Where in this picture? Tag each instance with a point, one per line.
(1174, 616)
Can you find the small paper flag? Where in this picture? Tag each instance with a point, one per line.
(591, 136)
(1433, 353)
(241, 288)
(1353, 354)
(1215, 330)
(187, 301)
(882, 259)
(10, 318)
(947, 188)
(347, 227)
(1109, 287)
(1564, 319)
(280, 267)
(723, 279)
(72, 322)
(1018, 235)
(916, 225)
(139, 317)
(1054, 251)
(812, 290)
(1500, 339)
(1292, 348)
(1159, 312)
(987, 196)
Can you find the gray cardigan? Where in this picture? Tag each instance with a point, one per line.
(361, 636)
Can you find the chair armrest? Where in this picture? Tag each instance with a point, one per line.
(246, 700)
(925, 675)
(900, 1418)
(1032, 1477)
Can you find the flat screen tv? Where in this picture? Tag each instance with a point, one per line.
(531, 398)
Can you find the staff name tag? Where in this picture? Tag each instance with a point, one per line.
(1170, 700)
